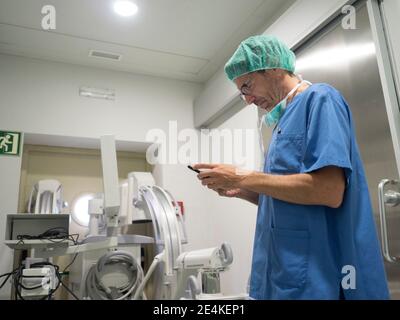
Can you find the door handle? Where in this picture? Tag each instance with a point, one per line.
(389, 198)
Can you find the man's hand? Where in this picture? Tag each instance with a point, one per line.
(221, 176)
(225, 179)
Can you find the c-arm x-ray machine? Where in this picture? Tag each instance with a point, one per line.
(102, 259)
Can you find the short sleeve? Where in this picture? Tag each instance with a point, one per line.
(328, 138)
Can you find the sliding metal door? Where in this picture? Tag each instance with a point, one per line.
(346, 59)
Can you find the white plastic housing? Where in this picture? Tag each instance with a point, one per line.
(211, 258)
(135, 181)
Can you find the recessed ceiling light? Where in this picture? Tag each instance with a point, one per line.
(125, 8)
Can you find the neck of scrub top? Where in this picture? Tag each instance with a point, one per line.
(304, 86)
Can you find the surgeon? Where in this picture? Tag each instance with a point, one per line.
(315, 235)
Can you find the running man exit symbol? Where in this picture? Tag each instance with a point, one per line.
(10, 143)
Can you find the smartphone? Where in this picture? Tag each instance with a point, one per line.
(195, 170)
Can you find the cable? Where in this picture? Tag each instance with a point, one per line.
(76, 253)
(70, 264)
(69, 290)
(157, 259)
(53, 234)
(7, 275)
(97, 290)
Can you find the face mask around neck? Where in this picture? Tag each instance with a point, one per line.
(277, 111)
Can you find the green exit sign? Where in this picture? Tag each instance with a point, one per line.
(10, 143)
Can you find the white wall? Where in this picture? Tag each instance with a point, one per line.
(199, 214)
(42, 97)
(218, 94)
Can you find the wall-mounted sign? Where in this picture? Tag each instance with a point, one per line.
(10, 143)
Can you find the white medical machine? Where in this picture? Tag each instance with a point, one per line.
(141, 255)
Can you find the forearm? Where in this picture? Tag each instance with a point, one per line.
(248, 196)
(306, 189)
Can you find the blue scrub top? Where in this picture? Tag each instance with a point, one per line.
(303, 251)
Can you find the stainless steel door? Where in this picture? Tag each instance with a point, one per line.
(346, 59)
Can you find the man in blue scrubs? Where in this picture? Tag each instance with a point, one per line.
(315, 234)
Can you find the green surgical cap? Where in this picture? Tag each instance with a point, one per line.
(260, 53)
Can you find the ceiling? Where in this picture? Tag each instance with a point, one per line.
(179, 39)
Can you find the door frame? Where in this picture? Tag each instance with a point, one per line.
(386, 74)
